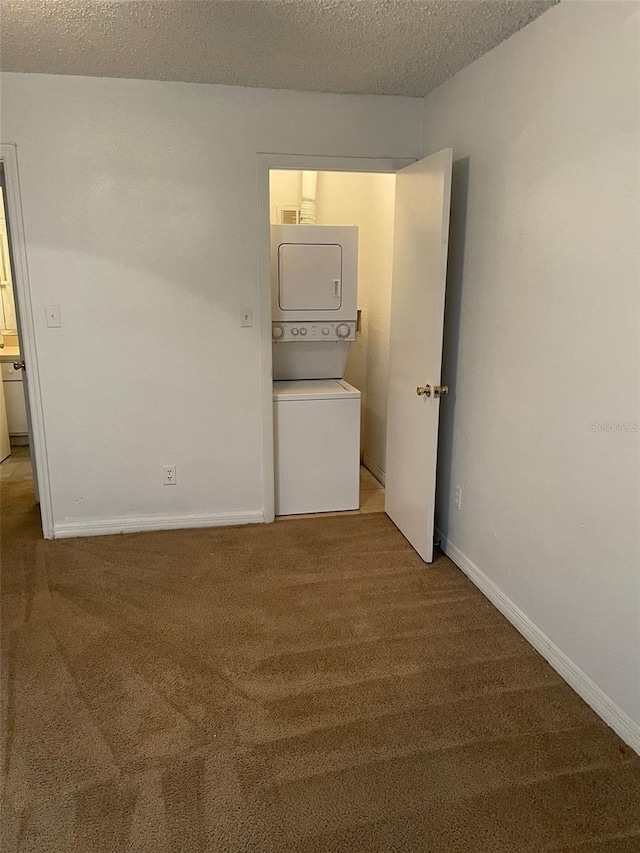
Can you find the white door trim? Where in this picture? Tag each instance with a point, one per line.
(28, 349)
(314, 163)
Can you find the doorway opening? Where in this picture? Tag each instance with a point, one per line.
(15, 439)
(322, 445)
(27, 470)
(307, 281)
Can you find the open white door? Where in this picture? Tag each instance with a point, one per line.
(5, 442)
(10, 306)
(32, 450)
(423, 195)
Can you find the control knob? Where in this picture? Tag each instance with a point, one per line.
(294, 332)
(277, 331)
(325, 330)
(303, 331)
(342, 330)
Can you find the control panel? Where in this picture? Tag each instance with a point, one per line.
(295, 331)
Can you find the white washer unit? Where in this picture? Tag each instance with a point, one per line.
(317, 446)
(311, 350)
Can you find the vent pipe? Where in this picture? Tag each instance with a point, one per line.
(309, 192)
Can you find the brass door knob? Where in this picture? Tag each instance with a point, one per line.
(423, 390)
(440, 390)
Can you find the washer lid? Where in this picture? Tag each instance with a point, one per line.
(314, 389)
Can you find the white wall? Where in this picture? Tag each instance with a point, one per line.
(367, 200)
(379, 273)
(285, 188)
(542, 331)
(141, 220)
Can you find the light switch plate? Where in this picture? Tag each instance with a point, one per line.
(53, 316)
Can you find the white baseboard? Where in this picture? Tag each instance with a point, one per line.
(602, 704)
(376, 470)
(106, 526)
(19, 440)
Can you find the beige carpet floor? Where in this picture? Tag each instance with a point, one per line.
(307, 686)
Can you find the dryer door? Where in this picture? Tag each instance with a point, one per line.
(309, 277)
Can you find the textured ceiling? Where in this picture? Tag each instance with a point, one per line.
(393, 47)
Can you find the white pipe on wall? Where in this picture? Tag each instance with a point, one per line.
(308, 203)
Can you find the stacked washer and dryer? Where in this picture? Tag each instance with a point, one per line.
(314, 279)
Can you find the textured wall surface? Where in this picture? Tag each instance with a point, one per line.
(391, 47)
(141, 219)
(541, 341)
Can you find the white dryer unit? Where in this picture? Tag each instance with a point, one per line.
(314, 272)
(317, 446)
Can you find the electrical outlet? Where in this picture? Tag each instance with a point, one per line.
(170, 475)
(458, 497)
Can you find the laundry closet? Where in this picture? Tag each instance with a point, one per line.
(331, 265)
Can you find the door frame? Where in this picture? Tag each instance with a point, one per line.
(294, 162)
(26, 328)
